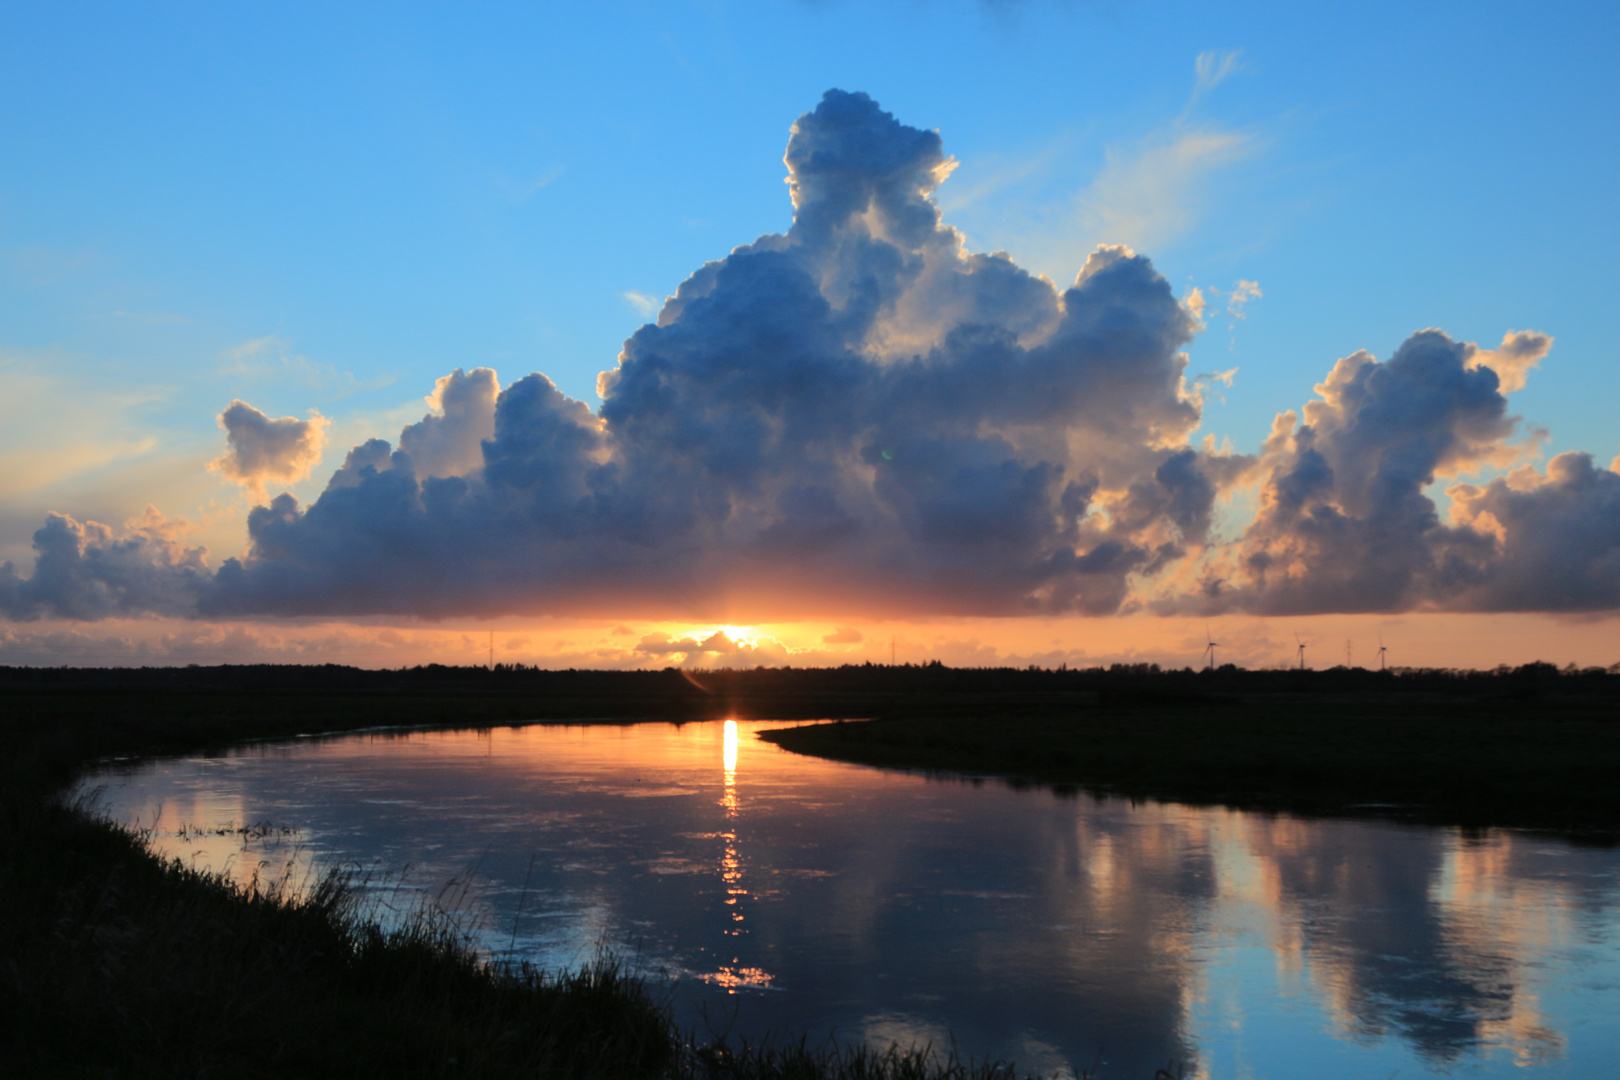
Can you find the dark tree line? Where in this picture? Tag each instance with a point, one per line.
(931, 678)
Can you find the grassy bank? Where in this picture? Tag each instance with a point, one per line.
(115, 964)
(1545, 762)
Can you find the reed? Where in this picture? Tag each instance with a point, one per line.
(118, 963)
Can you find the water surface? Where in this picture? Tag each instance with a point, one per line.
(1070, 934)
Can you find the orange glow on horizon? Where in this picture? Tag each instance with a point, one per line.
(1413, 640)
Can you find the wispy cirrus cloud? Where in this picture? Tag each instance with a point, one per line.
(522, 189)
(271, 359)
(1213, 67)
(1151, 194)
(1148, 193)
(154, 318)
(58, 428)
(645, 305)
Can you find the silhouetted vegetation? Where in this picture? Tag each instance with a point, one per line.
(1549, 765)
(674, 692)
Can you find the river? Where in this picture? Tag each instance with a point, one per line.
(1071, 933)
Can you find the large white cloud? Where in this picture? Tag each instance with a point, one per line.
(861, 416)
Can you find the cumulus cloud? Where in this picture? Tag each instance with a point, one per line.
(857, 415)
(1202, 302)
(88, 571)
(1558, 533)
(715, 650)
(1345, 524)
(1520, 352)
(449, 440)
(844, 635)
(861, 417)
(259, 450)
(1241, 294)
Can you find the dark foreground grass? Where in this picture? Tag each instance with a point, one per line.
(120, 965)
(116, 964)
(1546, 763)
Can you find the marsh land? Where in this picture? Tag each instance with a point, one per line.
(116, 964)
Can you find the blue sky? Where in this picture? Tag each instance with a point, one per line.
(309, 208)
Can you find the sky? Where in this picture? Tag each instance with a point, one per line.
(995, 379)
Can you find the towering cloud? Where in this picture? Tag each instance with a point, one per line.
(861, 416)
(857, 415)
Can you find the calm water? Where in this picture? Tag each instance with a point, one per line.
(1069, 934)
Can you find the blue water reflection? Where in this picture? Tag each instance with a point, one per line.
(1069, 933)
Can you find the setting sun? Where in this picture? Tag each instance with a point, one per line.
(741, 635)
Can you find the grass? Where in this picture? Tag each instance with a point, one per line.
(796, 1060)
(119, 964)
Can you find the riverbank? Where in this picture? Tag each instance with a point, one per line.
(116, 964)
(1543, 762)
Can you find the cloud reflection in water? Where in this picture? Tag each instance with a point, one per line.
(1109, 936)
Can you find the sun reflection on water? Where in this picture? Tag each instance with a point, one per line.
(730, 976)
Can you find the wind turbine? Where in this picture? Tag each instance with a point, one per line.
(1381, 651)
(1301, 652)
(1209, 649)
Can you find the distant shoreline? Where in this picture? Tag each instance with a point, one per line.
(1543, 766)
(1530, 747)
